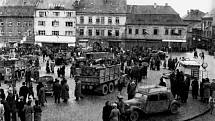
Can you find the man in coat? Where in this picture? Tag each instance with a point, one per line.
(131, 90)
(78, 93)
(24, 91)
(65, 90)
(57, 91)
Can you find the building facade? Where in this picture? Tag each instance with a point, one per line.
(101, 21)
(16, 25)
(154, 27)
(193, 19)
(55, 23)
(207, 30)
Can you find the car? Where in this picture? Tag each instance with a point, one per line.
(151, 99)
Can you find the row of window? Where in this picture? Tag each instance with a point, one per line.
(55, 23)
(17, 24)
(100, 20)
(56, 33)
(155, 31)
(99, 32)
(29, 33)
(56, 14)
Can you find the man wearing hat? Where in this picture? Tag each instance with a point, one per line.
(131, 90)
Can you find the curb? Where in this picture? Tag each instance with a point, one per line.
(198, 115)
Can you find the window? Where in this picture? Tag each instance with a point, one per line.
(109, 32)
(10, 32)
(153, 98)
(68, 14)
(41, 23)
(56, 13)
(25, 24)
(102, 32)
(69, 24)
(179, 32)
(144, 31)
(55, 23)
(68, 33)
(29, 33)
(10, 24)
(129, 31)
(81, 32)
(41, 32)
(18, 23)
(102, 20)
(97, 32)
(155, 31)
(166, 31)
(82, 19)
(90, 32)
(2, 32)
(117, 33)
(109, 20)
(90, 20)
(136, 31)
(30, 24)
(117, 20)
(55, 32)
(2, 23)
(42, 14)
(173, 32)
(163, 97)
(97, 20)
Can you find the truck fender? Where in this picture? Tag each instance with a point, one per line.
(176, 102)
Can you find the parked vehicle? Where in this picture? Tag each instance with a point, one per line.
(151, 99)
(48, 82)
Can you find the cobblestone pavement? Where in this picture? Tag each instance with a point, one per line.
(90, 108)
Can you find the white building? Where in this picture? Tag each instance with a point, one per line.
(55, 24)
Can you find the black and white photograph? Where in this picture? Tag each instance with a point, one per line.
(107, 60)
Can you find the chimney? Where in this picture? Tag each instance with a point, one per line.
(166, 4)
(155, 5)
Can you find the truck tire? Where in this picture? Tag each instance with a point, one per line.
(104, 89)
(110, 87)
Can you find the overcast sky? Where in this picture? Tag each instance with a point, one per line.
(181, 6)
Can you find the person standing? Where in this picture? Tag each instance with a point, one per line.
(7, 110)
(52, 65)
(31, 91)
(131, 90)
(20, 106)
(65, 90)
(114, 115)
(28, 110)
(206, 88)
(47, 67)
(57, 91)
(2, 112)
(37, 111)
(106, 111)
(195, 88)
(24, 91)
(40, 84)
(42, 96)
(78, 93)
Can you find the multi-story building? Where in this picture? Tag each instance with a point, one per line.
(101, 21)
(55, 23)
(155, 27)
(193, 19)
(206, 39)
(16, 24)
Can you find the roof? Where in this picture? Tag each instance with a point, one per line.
(19, 2)
(150, 9)
(21, 11)
(154, 19)
(194, 15)
(45, 4)
(190, 63)
(102, 6)
(150, 15)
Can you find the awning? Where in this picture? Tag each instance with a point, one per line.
(55, 39)
(174, 41)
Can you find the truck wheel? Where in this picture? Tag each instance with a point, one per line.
(104, 89)
(174, 108)
(134, 116)
(111, 87)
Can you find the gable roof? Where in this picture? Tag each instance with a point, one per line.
(21, 11)
(149, 15)
(102, 6)
(194, 15)
(149, 9)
